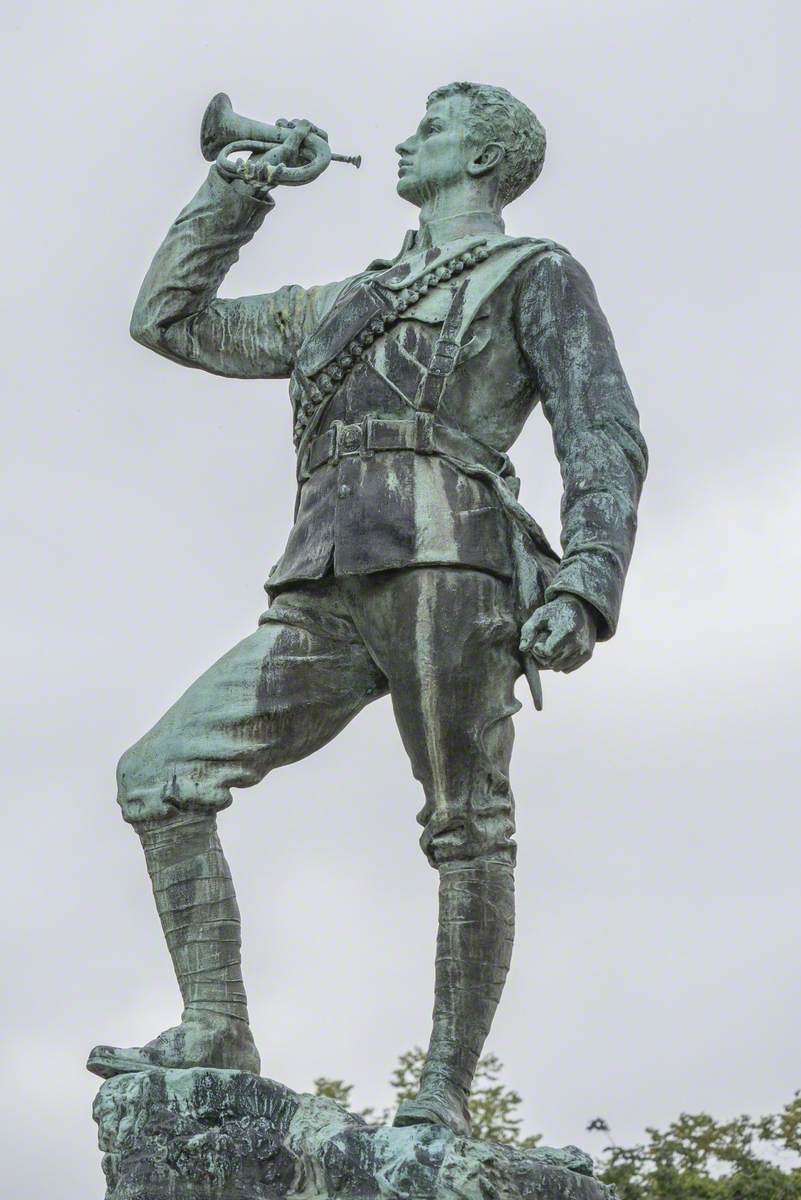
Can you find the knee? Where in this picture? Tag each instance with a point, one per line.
(146, 782)
(157, 779)
(469, 837)
(127, 769)
(139, 785)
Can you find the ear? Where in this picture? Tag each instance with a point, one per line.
(487, 159)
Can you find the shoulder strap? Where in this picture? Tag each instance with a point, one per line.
(469, 296)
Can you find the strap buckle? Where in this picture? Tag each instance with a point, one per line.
(424, 432)
(335, 433)
(444, 358)
(366, 448)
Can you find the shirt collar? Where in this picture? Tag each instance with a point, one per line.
(442, 231)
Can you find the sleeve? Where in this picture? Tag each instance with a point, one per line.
(179, 315)
(601, 451)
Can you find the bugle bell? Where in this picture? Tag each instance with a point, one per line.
(224, 132)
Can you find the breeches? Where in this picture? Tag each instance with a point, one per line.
(441, 640)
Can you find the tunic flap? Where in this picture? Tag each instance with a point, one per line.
(341, 325)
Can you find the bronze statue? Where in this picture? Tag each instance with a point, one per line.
(411, 569)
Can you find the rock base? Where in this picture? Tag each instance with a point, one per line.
(225, 1135)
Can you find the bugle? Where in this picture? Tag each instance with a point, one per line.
(224, 133)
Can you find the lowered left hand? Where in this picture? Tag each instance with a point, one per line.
(560, 636)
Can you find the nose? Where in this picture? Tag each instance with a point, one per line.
(404, 147)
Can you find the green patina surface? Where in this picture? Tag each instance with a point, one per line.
(224, 1135)
(411, 568)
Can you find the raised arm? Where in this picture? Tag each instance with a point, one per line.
(597, 439)
(178, 314)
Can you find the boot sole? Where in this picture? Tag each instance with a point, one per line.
(107, 1065)
(106, 1062)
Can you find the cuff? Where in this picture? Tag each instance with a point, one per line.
(596, 579)
(257, 199)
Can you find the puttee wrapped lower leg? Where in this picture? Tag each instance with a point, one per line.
(199, 914)
(474, 948)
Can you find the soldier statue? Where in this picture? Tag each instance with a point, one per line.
(411, 569)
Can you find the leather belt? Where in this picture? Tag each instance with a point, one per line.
(421, 435)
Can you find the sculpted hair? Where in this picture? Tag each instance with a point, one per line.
(497, 116)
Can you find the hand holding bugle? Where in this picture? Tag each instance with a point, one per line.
(289, 152)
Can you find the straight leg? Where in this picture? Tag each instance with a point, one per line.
(446, 638)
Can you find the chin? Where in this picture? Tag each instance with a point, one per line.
(407, 190)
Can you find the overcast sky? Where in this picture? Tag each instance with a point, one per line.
(657, 960)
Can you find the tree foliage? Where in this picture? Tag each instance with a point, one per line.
(334, 1089)
(699, 1158)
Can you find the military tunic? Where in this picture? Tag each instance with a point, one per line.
(541, 337)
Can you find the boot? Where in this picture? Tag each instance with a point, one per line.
(474, 948)
(199, 914)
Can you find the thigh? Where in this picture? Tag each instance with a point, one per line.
(446, 638)
(278, 695)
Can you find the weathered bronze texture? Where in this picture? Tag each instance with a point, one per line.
(224, 132)
(411, 568)
(203, 1134)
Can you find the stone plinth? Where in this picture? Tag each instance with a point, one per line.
(225, 1135)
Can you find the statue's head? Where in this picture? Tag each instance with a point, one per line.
(473, 135)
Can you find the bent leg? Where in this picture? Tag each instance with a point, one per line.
(281, 693)
(197, 906)
(452, 664)
(278, 695)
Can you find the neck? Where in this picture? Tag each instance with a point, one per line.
(457, 213)
(451, 226)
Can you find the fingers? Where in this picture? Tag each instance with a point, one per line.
(561, 650)
(540, 641)
(533, 631)
(310, 127)
(546, 649)
(559, 636)
(564, 662)
(570, 658)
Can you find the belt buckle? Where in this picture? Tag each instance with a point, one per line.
(350, 439)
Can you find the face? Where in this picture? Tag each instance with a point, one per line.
(438, 152)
